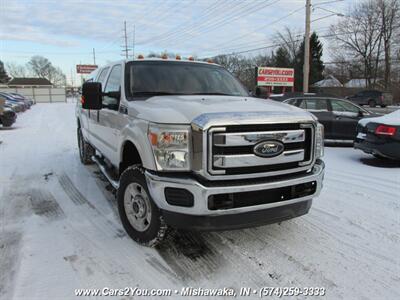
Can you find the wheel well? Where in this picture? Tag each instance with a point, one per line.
(130, 156)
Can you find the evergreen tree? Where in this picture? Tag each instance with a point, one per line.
(316, 63)
(4, 78)
(281, 58)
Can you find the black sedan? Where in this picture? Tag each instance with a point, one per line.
(339, 116)
(380, 136)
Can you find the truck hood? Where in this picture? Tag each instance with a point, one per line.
(184, 109)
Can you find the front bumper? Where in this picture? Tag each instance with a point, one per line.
(239, 220)
(201, 192)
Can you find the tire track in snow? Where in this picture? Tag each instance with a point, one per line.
(279, 256)
(72, 191)
(113, 238)
(44, 204)
(189, 255)
(10, 244)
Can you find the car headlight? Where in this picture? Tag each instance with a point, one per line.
(319, 141)
(170, 147)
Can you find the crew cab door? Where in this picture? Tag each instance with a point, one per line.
(109, 121)
(346, 117)
(319, 108)
(93, 115)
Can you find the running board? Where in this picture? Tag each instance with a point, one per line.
(103, 169)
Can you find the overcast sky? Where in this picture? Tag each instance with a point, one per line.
(66, 31)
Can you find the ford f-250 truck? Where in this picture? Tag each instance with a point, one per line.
(186, 146)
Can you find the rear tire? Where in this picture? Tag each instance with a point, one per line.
(86, 151)
(371, 103)
(140, 217)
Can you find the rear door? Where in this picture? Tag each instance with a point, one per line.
(110, 120)
(94, 129)
(319, 108)
(346, 116)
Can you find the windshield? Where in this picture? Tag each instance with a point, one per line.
(148, 78)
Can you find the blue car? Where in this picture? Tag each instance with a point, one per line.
(12, 99)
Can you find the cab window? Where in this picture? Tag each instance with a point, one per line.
(102, 76)
(113, 85)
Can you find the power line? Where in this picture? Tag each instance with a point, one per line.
(204, 20)
(177, 29)
(233, 17)
(276, 45)
(269, 24)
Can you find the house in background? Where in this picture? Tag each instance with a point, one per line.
(330, 81)
(29, 82)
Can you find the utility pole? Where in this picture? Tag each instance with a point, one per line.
(306, 66)
(72, 79)
(126, 41)
(94, 56)
(133, 43)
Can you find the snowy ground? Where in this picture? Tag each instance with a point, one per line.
(60, 229)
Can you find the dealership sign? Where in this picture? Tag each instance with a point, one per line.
(85, 69)
(267, 76)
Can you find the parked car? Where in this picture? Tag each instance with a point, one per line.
(10, 98)
(186, 146)
(26, 99)
(7, 115)
(380, 136)
(15, 106)
(371, 98)
(339, 116)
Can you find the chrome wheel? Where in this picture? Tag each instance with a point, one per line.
(137, 207)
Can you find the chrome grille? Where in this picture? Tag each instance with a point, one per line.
(230, 149)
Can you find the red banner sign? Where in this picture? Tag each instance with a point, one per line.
(267, 76)
(85, 69)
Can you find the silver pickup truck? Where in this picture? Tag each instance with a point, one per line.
(186, 146)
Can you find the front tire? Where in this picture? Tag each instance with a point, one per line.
(7, 123)
(140, 217)
(86, 151)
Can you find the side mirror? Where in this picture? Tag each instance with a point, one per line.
(116, 95)
(360, 113)
(91, 95)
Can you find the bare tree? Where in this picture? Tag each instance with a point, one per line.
(41, 67)
(290, 40)
(359, 35)
(389, 14)
(17, 70)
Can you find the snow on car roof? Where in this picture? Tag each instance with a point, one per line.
(389, 119)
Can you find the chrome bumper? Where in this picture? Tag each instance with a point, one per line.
(157, 184)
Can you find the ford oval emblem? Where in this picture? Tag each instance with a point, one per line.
(268, 148)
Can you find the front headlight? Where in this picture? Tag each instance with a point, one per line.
(170, 147)
(319, 141)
